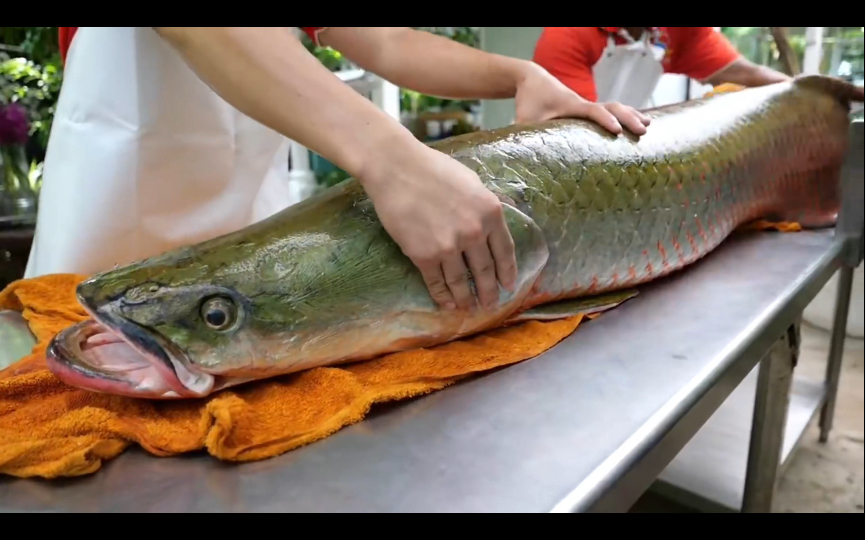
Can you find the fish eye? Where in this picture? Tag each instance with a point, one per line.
(219, 313)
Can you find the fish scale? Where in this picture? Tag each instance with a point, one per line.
(646, 207)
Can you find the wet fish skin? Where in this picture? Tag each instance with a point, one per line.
(322, 283)
(662, 202)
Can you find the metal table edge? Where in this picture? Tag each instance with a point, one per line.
(787, 456)
(702, 503)
(594, 491)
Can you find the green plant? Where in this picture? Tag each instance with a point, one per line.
(36, 43)
(16, 186)
(36, 88)
(467, 35)
(31, 74)
(332, 178)
(410, 101)
(330, 58)
(757, 44)
(416, 102)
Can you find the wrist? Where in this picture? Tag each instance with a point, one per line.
(512, 72)
(376, 163)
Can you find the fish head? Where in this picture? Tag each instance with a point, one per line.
(152, 330)
(317, 285)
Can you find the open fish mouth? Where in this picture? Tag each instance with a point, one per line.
(111, 354)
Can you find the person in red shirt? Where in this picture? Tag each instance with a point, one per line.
(148, 127)
(610, 64)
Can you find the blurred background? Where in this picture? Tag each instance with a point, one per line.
(31, 75)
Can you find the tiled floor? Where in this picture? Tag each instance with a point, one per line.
(821, 477)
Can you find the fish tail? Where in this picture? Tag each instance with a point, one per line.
(842, 90)
(810, 194)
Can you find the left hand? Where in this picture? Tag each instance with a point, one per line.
(540, 96)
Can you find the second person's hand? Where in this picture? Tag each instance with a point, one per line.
(447, 222)
(540, 96)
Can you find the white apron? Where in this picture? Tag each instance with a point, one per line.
(628, 73)
(144, 157)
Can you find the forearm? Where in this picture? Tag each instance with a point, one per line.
(267, 74)
(428, 63)
(748, 74)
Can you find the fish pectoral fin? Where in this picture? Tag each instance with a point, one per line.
(575, 306)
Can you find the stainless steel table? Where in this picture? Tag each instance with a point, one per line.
(587, 426)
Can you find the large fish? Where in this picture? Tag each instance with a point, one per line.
(592, 216)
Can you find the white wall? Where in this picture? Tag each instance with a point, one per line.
(514, 41)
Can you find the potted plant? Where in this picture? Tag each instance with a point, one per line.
(17, 196)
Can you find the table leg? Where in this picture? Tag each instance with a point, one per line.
(837, 346)
(768, 425)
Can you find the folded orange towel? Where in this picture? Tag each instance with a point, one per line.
(49, 429)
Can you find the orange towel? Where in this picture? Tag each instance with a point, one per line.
(49, 429)
(724, 88)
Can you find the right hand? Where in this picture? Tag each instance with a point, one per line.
(540, 96)
(438, 212)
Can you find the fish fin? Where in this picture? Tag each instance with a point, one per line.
(574, 306)
(844, 91)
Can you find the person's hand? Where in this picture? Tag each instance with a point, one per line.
(540, 96)
(442, 217)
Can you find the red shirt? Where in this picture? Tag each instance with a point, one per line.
(66, 33)
(569, 53)
(313, 32)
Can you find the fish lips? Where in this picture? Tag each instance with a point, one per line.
(64, 359)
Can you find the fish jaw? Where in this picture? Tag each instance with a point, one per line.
(111, 354)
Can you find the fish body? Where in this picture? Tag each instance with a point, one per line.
(592, 216)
